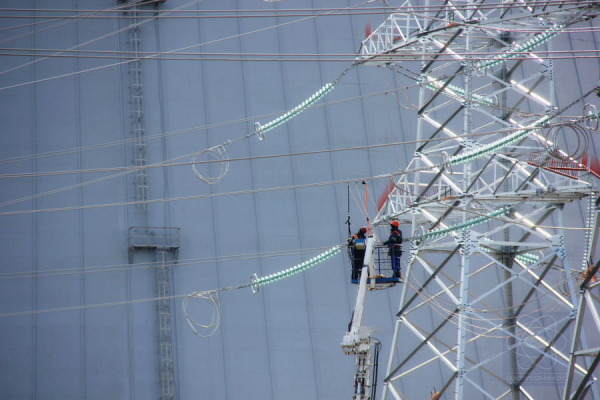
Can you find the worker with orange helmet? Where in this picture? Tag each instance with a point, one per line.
(395, 247)
(356, 244)
(360, 234)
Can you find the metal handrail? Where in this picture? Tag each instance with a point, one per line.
(383, 264)
(154, 236)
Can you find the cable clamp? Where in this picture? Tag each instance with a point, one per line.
(477, 68)
(446, 161)
(420, 237)
(589, 116)
(254, 283)
(259, 131)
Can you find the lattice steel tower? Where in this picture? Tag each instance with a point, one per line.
(485, 179)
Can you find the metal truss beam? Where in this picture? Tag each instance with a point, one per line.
(545, 351)
(532, 290)
(583, 305)
(424, 341)
(429, 279)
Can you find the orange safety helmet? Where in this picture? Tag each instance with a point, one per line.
(395, 223)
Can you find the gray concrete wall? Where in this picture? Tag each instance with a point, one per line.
(282, 343)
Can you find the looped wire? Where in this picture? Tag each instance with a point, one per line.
(578, 138)
(217, 153)
(540, 263)
(394, 183)
(212, 327)
(495, 101)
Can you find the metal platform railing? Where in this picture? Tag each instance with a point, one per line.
(383, 263)
(153, 238)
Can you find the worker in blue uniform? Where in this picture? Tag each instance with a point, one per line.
(357, 249)
(395, 247)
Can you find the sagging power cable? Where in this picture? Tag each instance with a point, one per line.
(207, 295)
(255, 283)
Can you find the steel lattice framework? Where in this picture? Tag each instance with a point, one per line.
(478, 192)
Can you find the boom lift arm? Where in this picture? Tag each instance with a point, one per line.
(358, 341)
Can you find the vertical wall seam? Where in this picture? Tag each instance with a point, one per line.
(126, 217)
(34, 216)
(256, 211)
(346, 274)
(80, 212)
(214, 219)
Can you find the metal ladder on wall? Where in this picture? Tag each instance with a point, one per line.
(165, 338)
(164, 242)
(138, 128)
(148, 239)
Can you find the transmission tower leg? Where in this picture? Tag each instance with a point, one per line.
(414, 227)
(466, 249)
(462, 318)
(511, 320)
(578, 333)
(396, 334)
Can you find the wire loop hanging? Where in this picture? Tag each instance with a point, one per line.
(213, 325)
(571, 133)
(217, 153)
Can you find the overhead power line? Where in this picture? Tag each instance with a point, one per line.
(348, 56)
(107, 35)
(213, 195)
(183, 164)
(176, 50)
(201, 128)
(276, 58)
(89, 306)
(255, 286)
(150, 57)
(196, 197)
(174, 263)
(386, 9)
